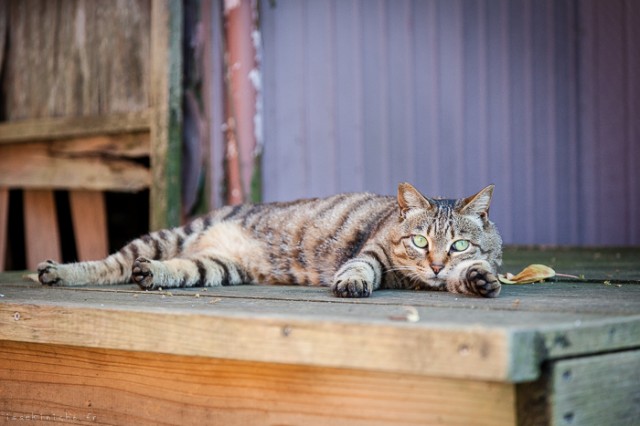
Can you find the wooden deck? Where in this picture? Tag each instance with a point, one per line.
(564, 353)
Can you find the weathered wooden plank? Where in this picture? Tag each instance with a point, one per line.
(119, 387)
(4, 214)
(128, 145)
(597, 390)
(488, 342)
(42, 237)
(579, 301)
(96, 63)
(327, 341)
(303, 302)
(36, 165)
(166, 121)
(30, 130)
(88, 215)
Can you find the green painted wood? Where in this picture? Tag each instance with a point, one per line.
(166, 122)
(598, 390)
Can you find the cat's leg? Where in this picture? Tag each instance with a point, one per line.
(198, 270)
(474, 277)
(116, 268)
(358, 277)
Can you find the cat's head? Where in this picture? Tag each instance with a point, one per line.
(436, 235)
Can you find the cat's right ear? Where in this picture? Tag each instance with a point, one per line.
(410, 198)
(478, 204)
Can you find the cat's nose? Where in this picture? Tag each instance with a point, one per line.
(436, 267)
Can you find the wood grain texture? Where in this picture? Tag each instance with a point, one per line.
(97, 386)
(597, 390)
(327, 341)
(89, 219)
(454, 337)
(30, 130)
(69, 165)
(125, 145)
(71, 59)
(166, 121)
(42, 237)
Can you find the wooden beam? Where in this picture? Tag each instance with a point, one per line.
(120, 387)
(89, 218)
(166, 122)
(42, 238)
(4, 214)
(68, 127)
(41, 165)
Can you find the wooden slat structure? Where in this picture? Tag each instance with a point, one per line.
(554, 353)
(82, 101)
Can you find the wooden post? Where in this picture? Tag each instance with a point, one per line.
(241, 102)
(213, 100)
(88, 214)
(41, 227)
(166, 122)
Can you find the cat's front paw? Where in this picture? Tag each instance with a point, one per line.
(48, 273)
(483, 282)
(351, 287)
(142, 273)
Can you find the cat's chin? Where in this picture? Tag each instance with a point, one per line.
(432, 283)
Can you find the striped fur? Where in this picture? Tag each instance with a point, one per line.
(354, 243)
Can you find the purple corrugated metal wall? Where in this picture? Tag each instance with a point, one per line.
(539, 97)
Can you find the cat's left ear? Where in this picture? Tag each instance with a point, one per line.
(479, 203)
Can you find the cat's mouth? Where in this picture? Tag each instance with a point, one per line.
(435, 281)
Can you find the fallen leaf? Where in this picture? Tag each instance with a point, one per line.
(530, 274)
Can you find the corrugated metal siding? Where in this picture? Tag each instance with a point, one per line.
(610, 122)
(453, 95)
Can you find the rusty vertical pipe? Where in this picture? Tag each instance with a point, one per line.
(241, 103)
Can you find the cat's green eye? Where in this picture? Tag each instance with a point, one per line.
(460, 245)
(419, 241)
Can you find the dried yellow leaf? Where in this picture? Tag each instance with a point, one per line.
(530, 274)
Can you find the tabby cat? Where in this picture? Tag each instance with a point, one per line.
(354, 243)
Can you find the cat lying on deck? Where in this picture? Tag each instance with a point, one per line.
(354, 243)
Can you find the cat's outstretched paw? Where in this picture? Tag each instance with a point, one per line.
(351, 287)
(48, 273)
(483, 282)
(142, 273)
